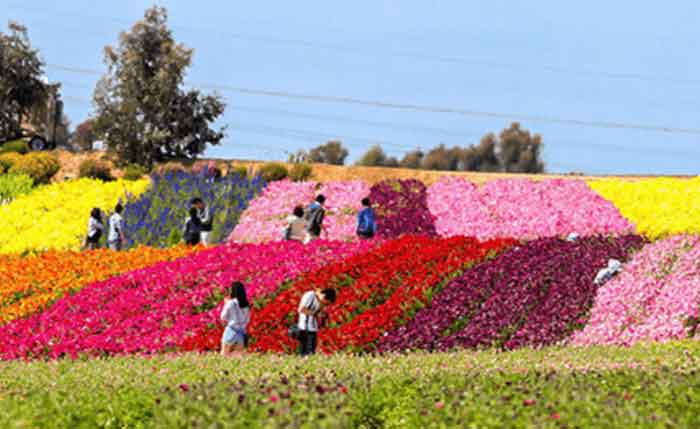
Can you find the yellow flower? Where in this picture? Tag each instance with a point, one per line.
(658, 207)
(56, 216)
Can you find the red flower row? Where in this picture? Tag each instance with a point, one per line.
(376, 291)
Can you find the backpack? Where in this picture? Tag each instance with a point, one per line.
(314, 219)
(366, 224)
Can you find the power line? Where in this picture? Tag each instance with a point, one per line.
(422, 108)
(449, 59)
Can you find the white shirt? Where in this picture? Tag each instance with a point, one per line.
(116, 227)
(308, 301)
(93, 226)
(235, 316)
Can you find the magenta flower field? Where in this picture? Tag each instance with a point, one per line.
(536, 290)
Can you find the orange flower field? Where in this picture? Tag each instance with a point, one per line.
(28, 284)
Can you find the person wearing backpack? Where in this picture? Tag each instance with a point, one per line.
(95, 230)
(205, 219)
(314, 219)
(115, 238)
(366, 222)
(295, 229)
(191, 231)
(309, 308)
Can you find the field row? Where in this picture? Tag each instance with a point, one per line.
(248, 210)
(647, 386)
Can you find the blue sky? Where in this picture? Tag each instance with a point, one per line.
(624, 62)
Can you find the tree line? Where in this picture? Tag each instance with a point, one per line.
(144, 115)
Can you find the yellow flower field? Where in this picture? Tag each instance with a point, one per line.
(56, 216)
(658, 207)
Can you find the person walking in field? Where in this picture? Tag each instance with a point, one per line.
(314, 219)
(366, 222)
(205, 218)
(236, 315)
(296, 226)
(310, 306)
(116, 238)
(95, 230)
(192, 230)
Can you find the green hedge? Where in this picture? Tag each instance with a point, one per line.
(17, 146)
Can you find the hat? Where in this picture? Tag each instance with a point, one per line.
(614, 265)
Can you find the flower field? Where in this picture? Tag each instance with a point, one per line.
(28, 284)
(468, 309)
(55, 216)
(157, 216)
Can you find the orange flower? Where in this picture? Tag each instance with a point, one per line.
(28, 284)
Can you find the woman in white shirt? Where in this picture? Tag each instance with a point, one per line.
(236, 315)
(95, 229)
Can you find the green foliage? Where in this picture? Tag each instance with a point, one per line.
(143, 113)
(94, 169)
(300, 172)
(14, 185)
(7, 160)
(273, 171)
(332, 152)
(17, 146)
(21, 85)
(40, 166)
(134, 172)
(645, 386)
(375, 157)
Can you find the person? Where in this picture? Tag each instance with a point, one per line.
(309, 308)
(205, 218)
(191, 232)
(95, 229)
(115, 238)
(295, 229)
(314, 219)
(366, 223)
(605, 274)
(236, 315)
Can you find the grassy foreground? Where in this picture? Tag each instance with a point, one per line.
(645, 386)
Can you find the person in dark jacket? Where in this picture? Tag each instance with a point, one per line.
(314, 218)
(191, 231)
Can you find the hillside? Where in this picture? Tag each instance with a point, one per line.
(70, 163)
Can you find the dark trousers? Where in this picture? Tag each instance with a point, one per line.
(308, 342)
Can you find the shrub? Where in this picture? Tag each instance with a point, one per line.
(93, 169)
(300, 172)
(134, 172)
(240, 171)
(14, 185)
(170, 167)
(40, 166)
(7, 160)
(273, 171)
(17, 146)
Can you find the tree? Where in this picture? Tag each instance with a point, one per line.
(143, 114)
(331, 152)
(483, 156)
(412, 159)
(519, 151)
(84, 135)
(22, 87)
(441, 158)
(374, 157)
